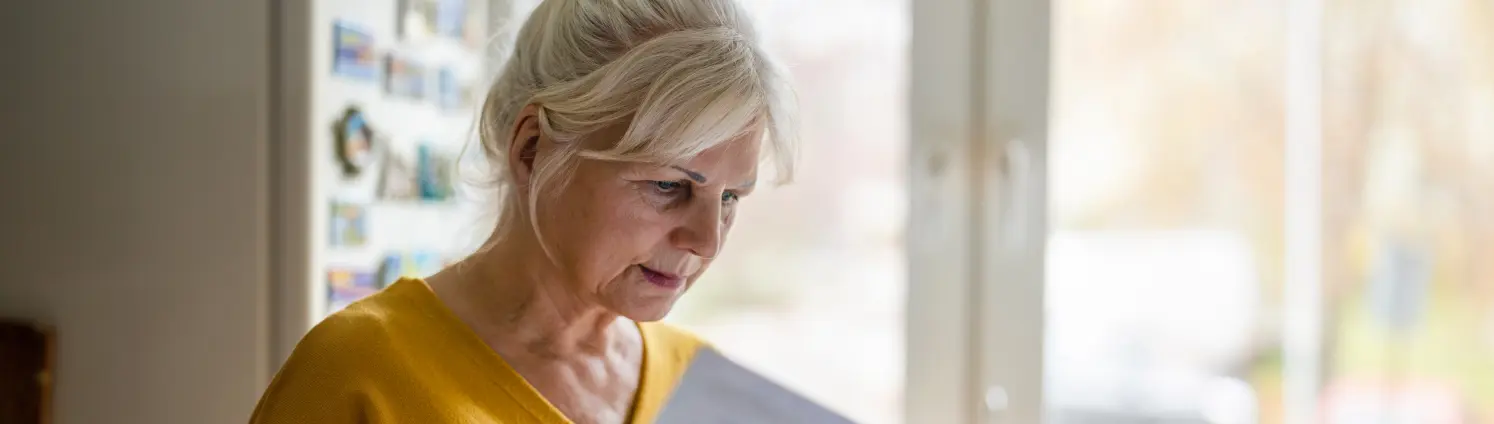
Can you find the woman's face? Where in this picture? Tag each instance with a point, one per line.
(635, 236)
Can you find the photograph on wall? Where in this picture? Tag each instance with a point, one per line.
(391, 268)
(348, 285)
(417, 19)
(398, 181)
(404, 77)
(349, 278)
(421, 19)
(416, 263)
(354, 141)
(353, 52)
(435, 170)
(451, 18)
(451, 91)
(349, 225)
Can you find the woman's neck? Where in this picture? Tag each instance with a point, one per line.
(519, 303)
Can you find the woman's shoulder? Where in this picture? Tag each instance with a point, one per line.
(373, 333)
(349, 354)
(396, 312)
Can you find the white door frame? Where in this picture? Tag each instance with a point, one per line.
(295, 287)
(978, 220)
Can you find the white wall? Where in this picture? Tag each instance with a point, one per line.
(134, 207)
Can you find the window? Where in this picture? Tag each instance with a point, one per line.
(1165, 261)
(1408, 212)
(1169, 288)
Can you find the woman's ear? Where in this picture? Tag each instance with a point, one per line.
(523, 145)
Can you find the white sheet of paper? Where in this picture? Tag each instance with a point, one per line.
(717, 390)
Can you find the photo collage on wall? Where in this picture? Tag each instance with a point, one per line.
(396, 163)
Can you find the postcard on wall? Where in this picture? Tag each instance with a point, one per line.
(436, 173)
(451, 91)
(421, 19)
(451, 18)
(391, 268)
(349, 225)
(416, 263)
(353, 52)
(398, 180)
(404, 77)
(417, 19)
(351, 278)
(348, 285)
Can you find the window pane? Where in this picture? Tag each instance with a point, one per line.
(811, 286)
(1408, 180)
(1165, 261)
(1165, 258)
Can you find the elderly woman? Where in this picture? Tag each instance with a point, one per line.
(623, 134)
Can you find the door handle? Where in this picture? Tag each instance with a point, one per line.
(1016, 174)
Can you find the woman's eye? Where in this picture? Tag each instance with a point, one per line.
(667, 187)
(728, 198)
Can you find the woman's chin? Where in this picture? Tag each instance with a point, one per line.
(641, 299)
(643, 307)
(647, 316)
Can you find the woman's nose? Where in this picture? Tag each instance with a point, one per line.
(700, 233)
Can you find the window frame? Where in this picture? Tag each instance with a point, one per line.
(977, 225)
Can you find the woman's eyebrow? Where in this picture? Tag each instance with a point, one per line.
(692, 174)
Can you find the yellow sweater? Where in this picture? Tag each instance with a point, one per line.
(400, 356)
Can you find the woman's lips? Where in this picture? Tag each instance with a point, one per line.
(660, 278)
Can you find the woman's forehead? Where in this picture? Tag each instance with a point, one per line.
(729, 163)
(610, 135)
(745, 146)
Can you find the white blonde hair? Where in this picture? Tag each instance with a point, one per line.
(685, 75)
